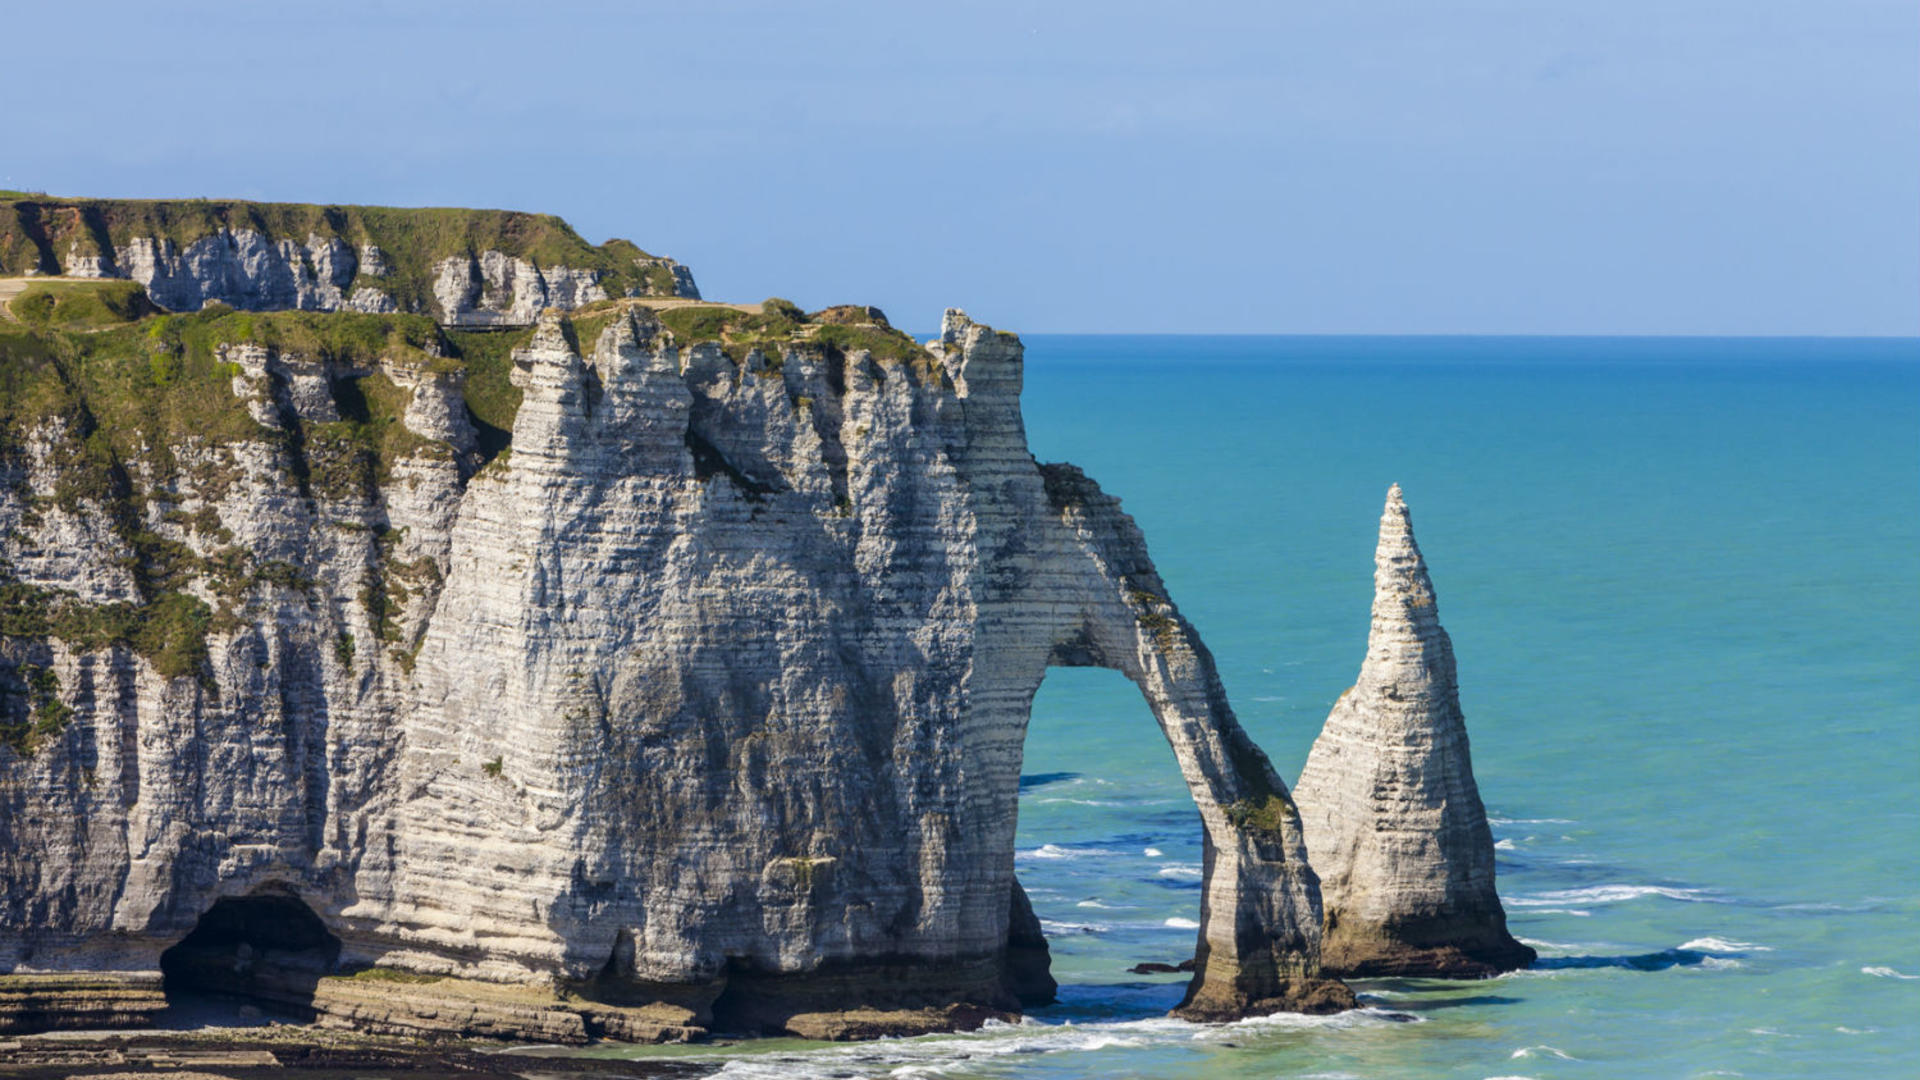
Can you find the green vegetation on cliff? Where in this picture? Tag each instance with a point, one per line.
(776, 327)
(75, 305)
(129, 384)
(122, 405)
(119, 415)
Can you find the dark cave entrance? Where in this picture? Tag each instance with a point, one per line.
(268, 949)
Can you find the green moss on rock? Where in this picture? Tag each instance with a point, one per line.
(492, 399)
(1267, 815)
(393, 975)
(169, 630)
(44, 716)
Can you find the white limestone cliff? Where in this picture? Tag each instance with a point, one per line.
(244, 269)
(701, 708)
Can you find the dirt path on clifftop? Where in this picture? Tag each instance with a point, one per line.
(664, 303)
(11, 287)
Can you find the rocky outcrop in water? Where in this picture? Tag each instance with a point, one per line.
(698, 707)
(1395, 826)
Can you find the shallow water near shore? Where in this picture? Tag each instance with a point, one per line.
(1680, 578)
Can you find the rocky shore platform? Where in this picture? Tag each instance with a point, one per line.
(307, 1053)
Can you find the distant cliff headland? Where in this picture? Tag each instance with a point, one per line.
(462, 267)
(427, 621)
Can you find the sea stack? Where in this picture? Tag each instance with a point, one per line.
(1394, 823)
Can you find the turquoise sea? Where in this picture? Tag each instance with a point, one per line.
(1682, 577)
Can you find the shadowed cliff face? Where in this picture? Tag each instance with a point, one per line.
(704, 704)
(1394, 820)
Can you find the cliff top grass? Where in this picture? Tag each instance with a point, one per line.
(42, 235)
(776, 325)
(80, 305)
(97, 354)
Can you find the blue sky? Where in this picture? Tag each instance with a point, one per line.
(1357, 166)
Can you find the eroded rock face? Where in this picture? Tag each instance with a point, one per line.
(246, 270)
(705, 704)
(241, 268)
(1395, 826)
(493, 289)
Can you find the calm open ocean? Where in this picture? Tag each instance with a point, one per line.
(1682, 577)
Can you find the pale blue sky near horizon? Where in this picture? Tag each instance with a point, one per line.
(1381, 166)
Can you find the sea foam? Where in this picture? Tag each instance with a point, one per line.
(967, 1053)
(1055, 851)
(1718, 944)
(1612, 894)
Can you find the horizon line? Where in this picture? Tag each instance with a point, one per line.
(1467, 334)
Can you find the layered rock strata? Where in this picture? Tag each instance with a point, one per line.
(1395, 826)
(700, 707)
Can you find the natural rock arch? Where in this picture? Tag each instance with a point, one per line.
(712, 794)
(1258, 942)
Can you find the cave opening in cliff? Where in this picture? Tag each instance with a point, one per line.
(268, 949)
(1108, 844)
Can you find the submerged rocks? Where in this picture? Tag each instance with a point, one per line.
(1395, 826)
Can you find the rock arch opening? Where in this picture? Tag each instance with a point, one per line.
(268, 949)
(1109, 841)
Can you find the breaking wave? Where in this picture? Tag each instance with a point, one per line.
(1612, 894)
(1885, 973)
(1051, 927)
(966, 1054)
(1706, 954)
(1723, 945)
(1055, 851)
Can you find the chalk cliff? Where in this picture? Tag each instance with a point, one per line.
(464, 267)
(1395, 826)
(637, 674)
